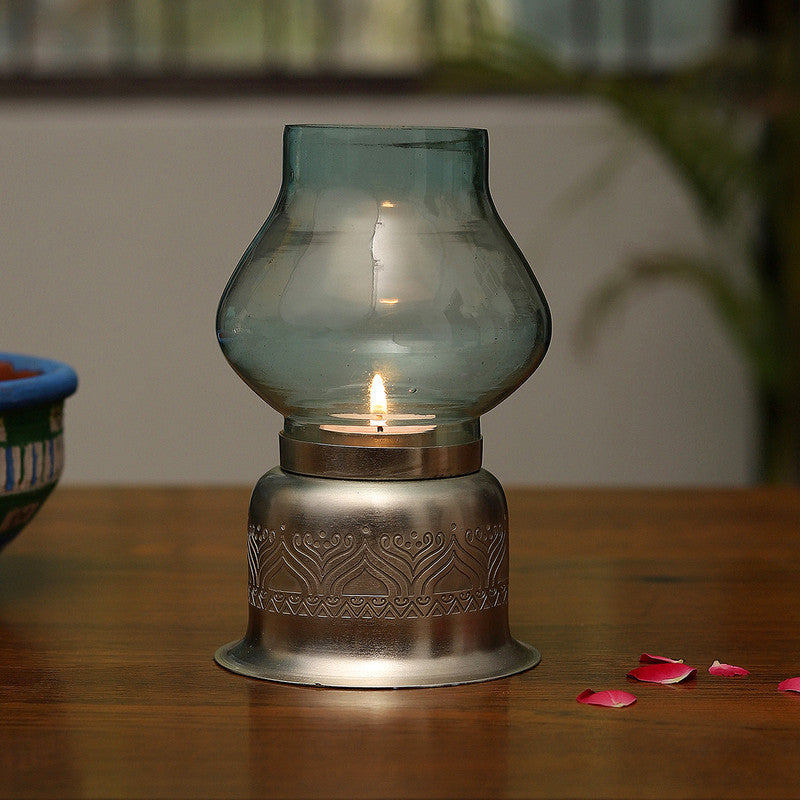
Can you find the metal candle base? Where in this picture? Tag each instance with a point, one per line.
(377, 583)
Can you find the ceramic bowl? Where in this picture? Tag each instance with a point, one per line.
(32, 393)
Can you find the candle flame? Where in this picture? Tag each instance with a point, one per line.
(377, 397)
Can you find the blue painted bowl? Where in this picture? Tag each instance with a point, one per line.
(32, 394)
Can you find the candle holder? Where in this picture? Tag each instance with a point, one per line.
(381, 309)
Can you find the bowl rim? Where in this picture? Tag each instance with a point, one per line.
(56, 382)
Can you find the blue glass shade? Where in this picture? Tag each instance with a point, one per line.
(384, 255)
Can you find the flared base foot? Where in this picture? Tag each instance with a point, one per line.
(371, 673)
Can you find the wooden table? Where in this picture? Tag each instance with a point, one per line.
(113, 601)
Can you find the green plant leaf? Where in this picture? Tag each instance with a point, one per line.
(698, 140)
(744, 312)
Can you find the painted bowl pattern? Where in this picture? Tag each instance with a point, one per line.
(32, 394)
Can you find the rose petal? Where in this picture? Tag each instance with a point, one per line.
(790, 685)
(727, 670)
(646, 658)
(611, 698)
(662, 673)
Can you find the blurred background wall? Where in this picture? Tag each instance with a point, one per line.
(140, 152)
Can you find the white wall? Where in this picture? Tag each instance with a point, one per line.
(121, 222)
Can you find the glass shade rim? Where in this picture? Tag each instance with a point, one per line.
(474, 140)
(447, 129)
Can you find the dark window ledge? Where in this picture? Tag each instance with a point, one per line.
(198, 84)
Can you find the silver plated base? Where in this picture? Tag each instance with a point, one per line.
(377, 584)
(354, 672)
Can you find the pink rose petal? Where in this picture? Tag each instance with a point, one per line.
(646, 658)
(727, 670)
(611, 698)
(790, 685)
(670, 672)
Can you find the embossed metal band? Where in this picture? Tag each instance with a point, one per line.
(365, 574)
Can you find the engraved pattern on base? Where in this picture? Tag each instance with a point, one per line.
(361, 575)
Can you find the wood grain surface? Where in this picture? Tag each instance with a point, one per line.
(113, 601)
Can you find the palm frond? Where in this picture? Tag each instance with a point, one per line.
(687, 119)
(742, 311)
(598, 179)
(699, 141)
